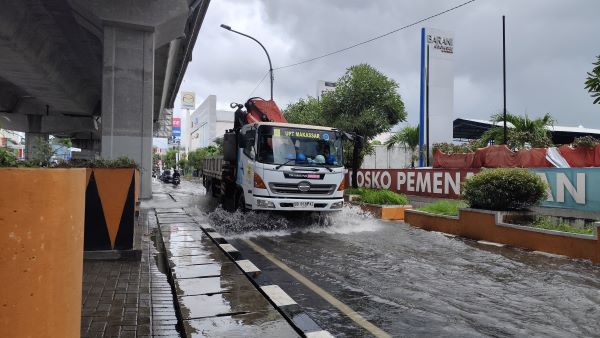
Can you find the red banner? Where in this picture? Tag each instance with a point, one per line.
(441, 183)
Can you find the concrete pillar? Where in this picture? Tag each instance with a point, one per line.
(127, 99)
(34, 137)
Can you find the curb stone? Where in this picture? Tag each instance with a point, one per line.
(285, 304)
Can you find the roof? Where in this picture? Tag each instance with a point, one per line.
(474, 128)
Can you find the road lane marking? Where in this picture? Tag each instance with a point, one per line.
(491, 243)
(277, 295)
(345, 309)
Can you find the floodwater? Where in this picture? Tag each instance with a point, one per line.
(411, 282)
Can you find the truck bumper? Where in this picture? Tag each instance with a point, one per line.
(294, 204)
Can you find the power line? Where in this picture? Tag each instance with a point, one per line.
(258, 84)
(375, 38)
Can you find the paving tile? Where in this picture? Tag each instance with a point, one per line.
(205, 270)
(205, 258)
(256, 324)
(209, 285)
(193, 307)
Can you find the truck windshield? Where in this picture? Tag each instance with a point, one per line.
(299, 146)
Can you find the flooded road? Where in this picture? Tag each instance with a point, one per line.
(410, 282)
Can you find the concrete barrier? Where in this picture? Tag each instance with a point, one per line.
(41, 251)
(489, 226)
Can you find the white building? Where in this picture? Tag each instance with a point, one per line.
(206, 124)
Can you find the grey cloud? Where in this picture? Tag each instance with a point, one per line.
(550, 45)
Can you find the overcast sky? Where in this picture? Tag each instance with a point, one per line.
(551, 44)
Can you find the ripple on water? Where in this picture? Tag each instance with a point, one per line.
(239, 224)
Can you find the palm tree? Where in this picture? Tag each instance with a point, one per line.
(409, 137)
(524, 131)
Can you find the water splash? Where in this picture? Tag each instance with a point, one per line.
(270, 224)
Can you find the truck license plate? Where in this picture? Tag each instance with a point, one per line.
(304, 204)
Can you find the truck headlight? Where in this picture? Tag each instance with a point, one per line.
(265, 204)
(337, 205)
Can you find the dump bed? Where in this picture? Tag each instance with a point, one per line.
(212, 167)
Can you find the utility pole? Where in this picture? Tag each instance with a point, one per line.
(263, 47)
(504, 75)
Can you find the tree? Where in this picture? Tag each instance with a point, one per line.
(170, 158)
(409, 137)
(306, 111)
(375, 143)
(525, 132)
(365, 102)
(592, 82)
(196, 157)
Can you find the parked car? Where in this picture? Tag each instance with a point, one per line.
(166, 176)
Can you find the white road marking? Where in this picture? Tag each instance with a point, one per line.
(277, 295)
(547, 254)
(345, 309)
(492, 244)
(247, 266)
(228, 247)
(214, 234)
(319, 334)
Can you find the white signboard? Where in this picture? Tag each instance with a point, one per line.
(188, 100)
(437, 87)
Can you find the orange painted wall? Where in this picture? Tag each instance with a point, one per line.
(385, 212)
(482, 226)
(41, 251)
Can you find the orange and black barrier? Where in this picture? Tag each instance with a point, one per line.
(110, 200)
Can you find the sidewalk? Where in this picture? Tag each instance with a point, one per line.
(129, 298)
(186, 285)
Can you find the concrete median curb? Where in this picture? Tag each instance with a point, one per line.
(177, 224)
(285, 304)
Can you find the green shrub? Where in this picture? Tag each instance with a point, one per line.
(546, 223)
(7, 158)
(504, 189)
(444, 207)
(451, 148)
(354, 191)
(585, 142)
(121, 162)
(382, 197)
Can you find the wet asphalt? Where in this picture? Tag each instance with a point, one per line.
(407, 281)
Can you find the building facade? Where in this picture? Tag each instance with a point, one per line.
(207, 123)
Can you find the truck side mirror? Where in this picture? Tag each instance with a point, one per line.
(252, 153)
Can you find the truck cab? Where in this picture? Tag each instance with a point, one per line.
(289, 167)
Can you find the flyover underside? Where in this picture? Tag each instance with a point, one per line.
(100, 72)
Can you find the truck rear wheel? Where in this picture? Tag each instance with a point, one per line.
(241, 202)
(228, 197)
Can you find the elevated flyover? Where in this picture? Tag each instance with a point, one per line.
(104, 73)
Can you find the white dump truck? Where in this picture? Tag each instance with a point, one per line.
(269, 164)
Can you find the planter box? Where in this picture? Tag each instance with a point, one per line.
(41, 256)
(489, 226)
(110, 202)
(351, 198)
(387, 212)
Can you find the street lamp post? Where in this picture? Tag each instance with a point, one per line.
(263, 47)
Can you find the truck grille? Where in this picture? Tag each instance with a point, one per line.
(292, 189)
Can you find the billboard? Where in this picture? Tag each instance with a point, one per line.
(569, 188)
(176, 126)
(437, 89)
(188, 100)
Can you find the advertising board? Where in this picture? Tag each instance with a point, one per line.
(570, 188)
